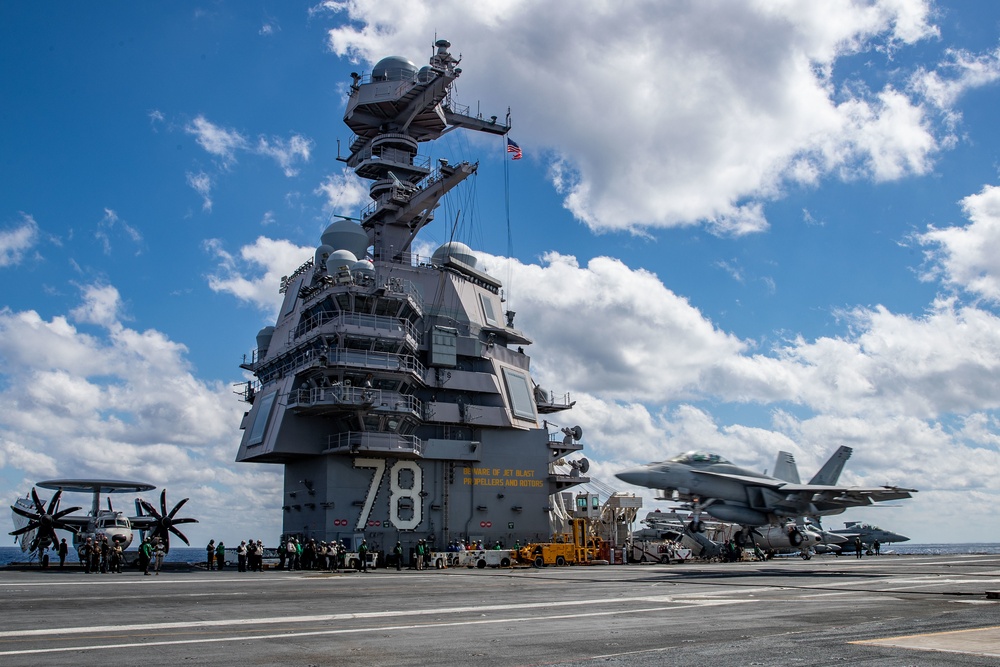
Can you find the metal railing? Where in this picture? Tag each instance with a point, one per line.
(377, 323)
(368, 441)
(382, 361)
(391, 155)
(287, 280)
(312, 357)
(373, 399)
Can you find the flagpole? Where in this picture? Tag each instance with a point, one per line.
(510, 235)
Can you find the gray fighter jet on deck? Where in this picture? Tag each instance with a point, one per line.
(727, 492)
(869, 533)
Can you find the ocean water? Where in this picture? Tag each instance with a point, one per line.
(906, 548)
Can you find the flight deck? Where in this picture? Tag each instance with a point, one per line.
(892, 610)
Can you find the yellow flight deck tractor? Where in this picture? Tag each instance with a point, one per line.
(578, 547)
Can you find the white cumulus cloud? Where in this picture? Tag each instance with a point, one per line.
(123, 403)
(965, 256)
(659, 114)
(255, 275)
(15, 242)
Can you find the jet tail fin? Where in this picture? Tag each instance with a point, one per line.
(830, 472)
(785, 468)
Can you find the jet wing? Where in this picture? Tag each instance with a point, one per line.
(772, 483)
(853, 496)
(846, 494)
(764, 482)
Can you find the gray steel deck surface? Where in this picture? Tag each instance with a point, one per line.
(774, 613)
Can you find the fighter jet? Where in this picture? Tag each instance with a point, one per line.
(727, 492)
(869, 533)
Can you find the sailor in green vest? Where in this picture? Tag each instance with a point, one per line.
(145, 555)
(398, 553)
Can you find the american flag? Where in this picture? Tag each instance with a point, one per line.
(512, 147)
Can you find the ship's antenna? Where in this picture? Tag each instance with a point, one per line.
(454, 226)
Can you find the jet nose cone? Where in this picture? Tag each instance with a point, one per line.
(637, 476)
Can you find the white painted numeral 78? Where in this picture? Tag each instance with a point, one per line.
(398, 492)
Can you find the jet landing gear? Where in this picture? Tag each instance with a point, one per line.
(696, 526)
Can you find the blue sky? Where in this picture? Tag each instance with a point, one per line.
(784, 217)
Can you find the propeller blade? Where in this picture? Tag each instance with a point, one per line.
(163, 502)
(54, 503)
(39, 505)
(62, 513)
(23, 512)
(149, 508)
(26, 529)
(177, 521)
(177, 507)
(180, 535)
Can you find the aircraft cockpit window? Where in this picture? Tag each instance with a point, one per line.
(698, 457)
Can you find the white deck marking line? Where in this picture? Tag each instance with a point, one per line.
(320, 633)
(624, 653)
(323, 618)
(727, 591)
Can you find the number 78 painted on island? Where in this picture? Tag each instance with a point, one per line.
(398, 492)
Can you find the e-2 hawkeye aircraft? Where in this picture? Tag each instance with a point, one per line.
(728, 492)
(36, 525)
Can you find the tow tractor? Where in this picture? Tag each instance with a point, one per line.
(483, 558)
(659, 551)
(566, 548)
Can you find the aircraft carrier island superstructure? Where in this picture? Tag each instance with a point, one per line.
(394, 389)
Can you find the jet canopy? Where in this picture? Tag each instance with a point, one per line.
(695, 457)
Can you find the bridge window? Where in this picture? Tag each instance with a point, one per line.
(489, 311)
(521, 402)
(260, 421)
